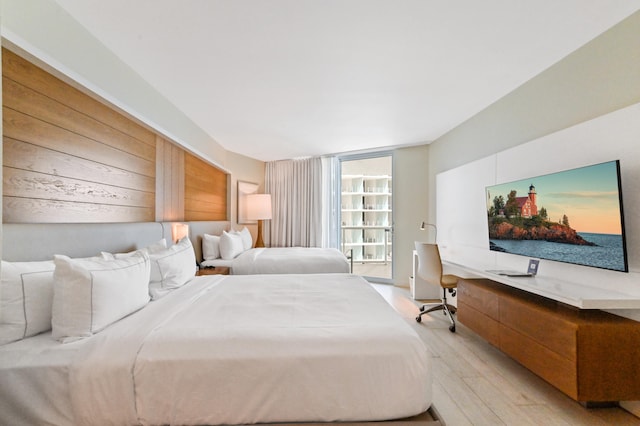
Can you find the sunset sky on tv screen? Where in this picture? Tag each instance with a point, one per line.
(589, 196)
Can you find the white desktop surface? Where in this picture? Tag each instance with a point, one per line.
(574, 294)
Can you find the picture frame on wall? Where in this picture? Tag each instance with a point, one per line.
(244, 189)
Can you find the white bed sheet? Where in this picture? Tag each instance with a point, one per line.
(42, 380)
(34, 385)
(242, 349)
(285, 260)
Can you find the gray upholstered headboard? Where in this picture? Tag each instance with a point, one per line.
(197, 229)
(40, 241)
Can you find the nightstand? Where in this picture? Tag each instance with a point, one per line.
(218, 270)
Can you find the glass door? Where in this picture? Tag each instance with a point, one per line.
(366, 214)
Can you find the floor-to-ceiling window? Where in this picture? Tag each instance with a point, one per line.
(366, 214)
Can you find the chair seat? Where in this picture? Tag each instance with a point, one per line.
(449, 281)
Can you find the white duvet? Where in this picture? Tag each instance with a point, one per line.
(248, 349)
(286, 260)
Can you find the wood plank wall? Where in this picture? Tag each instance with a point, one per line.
(205, 192)
(67, 157)
(70, 158)
(170, 181)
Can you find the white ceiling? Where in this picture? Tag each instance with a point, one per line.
(276, 79)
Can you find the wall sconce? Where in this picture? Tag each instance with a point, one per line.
(423, 227)
(259, 208)
(179, 231)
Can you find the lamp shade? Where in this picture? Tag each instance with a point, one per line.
(179, 231)
(258, 206)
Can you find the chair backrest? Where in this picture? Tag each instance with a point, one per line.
(429, 263)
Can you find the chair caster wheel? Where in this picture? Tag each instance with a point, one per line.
(452, 328)
(419, 318)
(422, 308)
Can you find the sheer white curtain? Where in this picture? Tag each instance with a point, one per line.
(330, 201)
(296, 199)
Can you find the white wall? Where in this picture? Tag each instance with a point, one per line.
(247, 170)
(463, 231)
(411, 174)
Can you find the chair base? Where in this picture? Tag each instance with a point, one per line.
(442, 305)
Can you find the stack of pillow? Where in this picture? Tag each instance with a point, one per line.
(76, 298)
(227, 246)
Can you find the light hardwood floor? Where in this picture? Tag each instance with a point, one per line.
(476, 384)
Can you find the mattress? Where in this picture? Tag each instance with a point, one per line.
(285, 260)
(229, 350)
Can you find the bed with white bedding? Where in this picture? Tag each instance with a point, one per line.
(228, 350)
(210, 240)
(284, 260)
(233, 249)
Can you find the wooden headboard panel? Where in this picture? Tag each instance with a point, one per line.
(40, 241)
(69, 158)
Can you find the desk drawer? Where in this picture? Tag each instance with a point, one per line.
(475, 294)
(484, 326)
(555, 369)
(540, 324)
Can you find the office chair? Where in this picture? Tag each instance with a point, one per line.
(430, 270)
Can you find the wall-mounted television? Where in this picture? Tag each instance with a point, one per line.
(572, 216)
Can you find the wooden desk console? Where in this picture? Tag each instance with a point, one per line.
(590, 355)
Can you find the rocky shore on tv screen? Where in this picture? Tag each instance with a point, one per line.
(503, 229)
(572, 216)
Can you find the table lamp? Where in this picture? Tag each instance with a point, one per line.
(259, 208)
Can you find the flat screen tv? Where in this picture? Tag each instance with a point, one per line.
(572, 216)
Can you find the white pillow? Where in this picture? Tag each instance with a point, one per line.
(172, 268)
(210, 247)
(150, 249)
(90, 294)
(230, 245)
(247, 239)
(26, 296)
(156, 247)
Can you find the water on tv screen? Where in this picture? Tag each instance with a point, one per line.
(573, 216)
